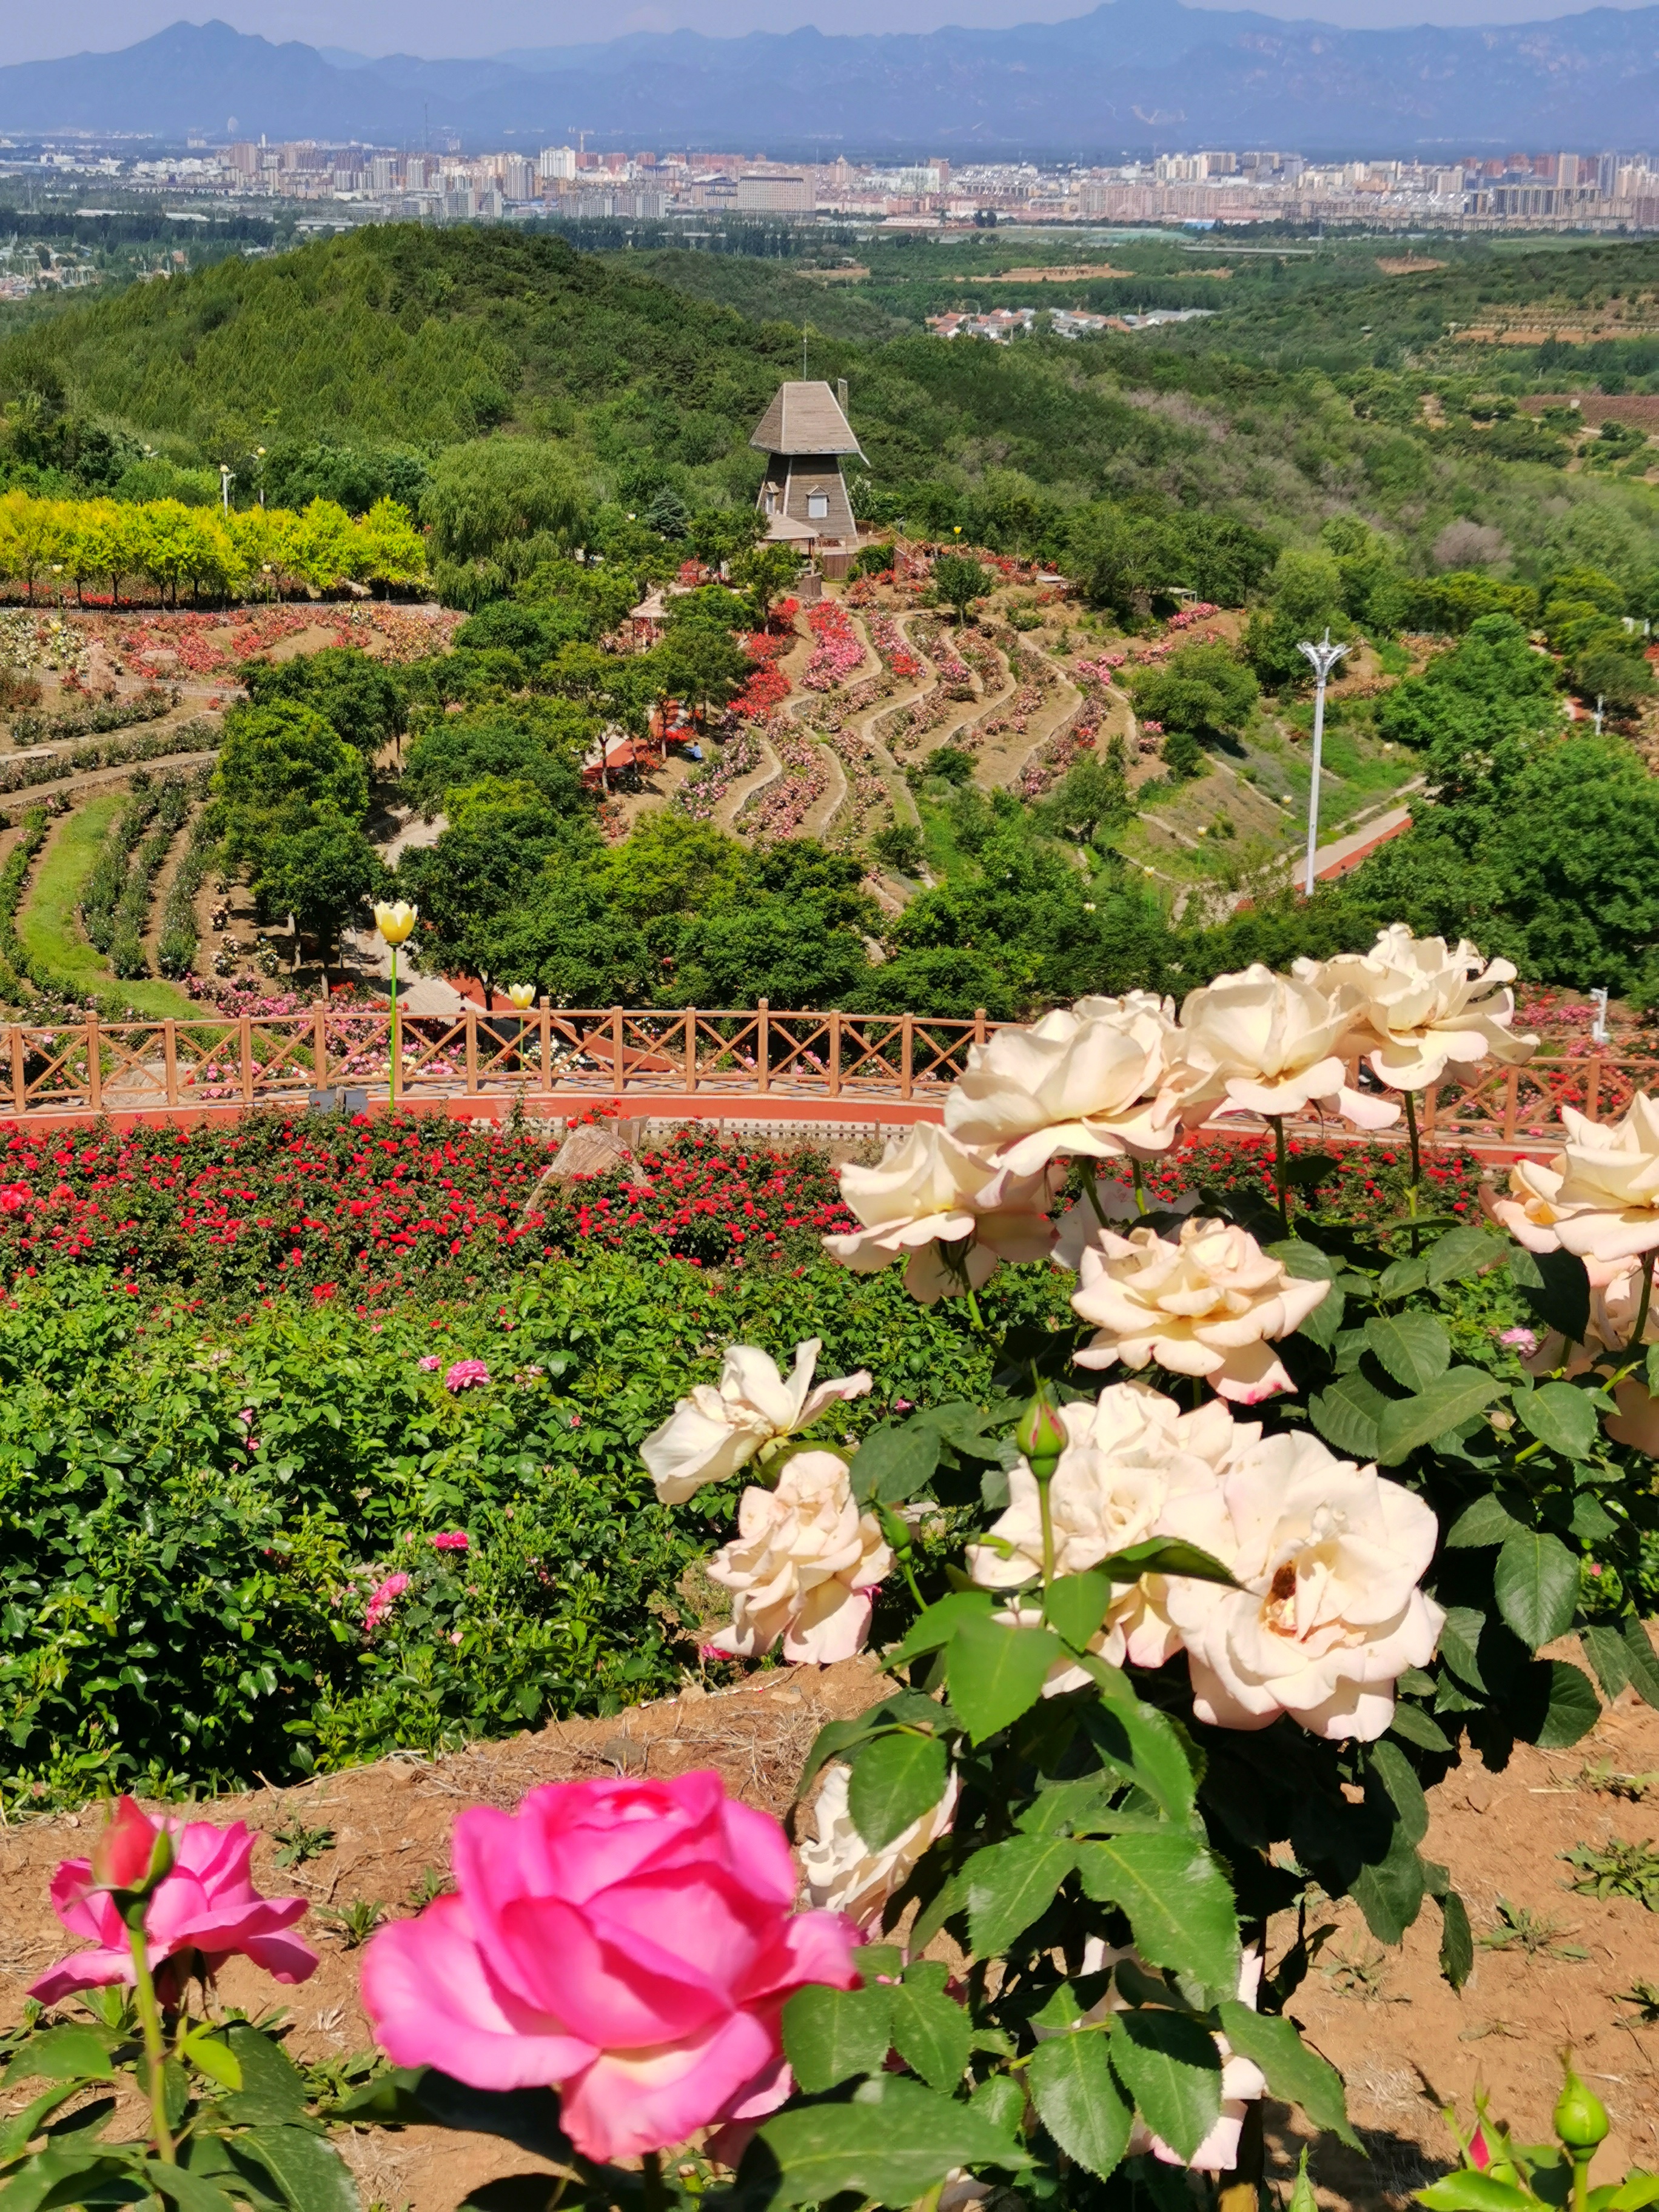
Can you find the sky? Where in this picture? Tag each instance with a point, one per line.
(437, 28)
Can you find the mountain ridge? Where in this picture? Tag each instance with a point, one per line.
(1130, 75)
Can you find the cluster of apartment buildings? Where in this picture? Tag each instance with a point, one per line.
(1610, 191)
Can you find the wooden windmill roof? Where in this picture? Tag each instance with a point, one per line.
(804, 418)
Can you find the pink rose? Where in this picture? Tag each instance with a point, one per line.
(631, 1942)
(430, 1362)
(380, 1600)
(466, 1374)
(207, 1905)
(453, 1539)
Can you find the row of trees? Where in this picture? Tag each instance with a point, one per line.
(99, 543)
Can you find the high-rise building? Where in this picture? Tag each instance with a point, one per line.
(557, 164)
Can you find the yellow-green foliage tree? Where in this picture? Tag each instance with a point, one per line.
(261, 553)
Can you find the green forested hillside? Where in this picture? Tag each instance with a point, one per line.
(419, 339)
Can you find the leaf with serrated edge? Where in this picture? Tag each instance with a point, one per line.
(1075, 1604)
(893, 2148)
(310, 2172)
(1457, 1940)
(830, 2035)
(1640, 1658)
(933, 1628)
(1079, 2102)
(1172, 2068)
(896, 1779)
(1406, 1424)
(1560, 1416)
(1295, 2075)
(1405, 1791)
(996, 1673)
(1012, 1884)
(932, 2035)
(1535, 1583)
(1177, 1900)
(1348, 1414)
(1412, 1347)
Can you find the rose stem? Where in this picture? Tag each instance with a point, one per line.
(1140, 1188)
(1094, 1198)
(149, 2014)
(1281, 1169)
(1641, 1307)
(656, 2196)
(1417, 1164)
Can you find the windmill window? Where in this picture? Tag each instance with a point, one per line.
(817, 505)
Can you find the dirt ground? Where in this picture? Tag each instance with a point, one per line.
(1406, 2043)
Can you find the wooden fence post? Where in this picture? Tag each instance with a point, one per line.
(1593, 1087)
(763, 1044)
(1511, 1099)
(20, 1089)
(319, 1044)
(245, 1055)
(471, 1048)
(835, 1053)
(94, 1064)
(690, 1049)
(907, 1054)
(617, 1046)
(170, 1058)
(547, 1044)
(979, 1025)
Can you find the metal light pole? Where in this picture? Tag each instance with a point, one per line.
(1324, 657)
(227, 477)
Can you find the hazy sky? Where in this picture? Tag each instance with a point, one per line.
(436, 27)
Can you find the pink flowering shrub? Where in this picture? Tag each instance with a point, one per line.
(384, 1595)
(838, 649)
(466, 1374)
(205, 1911)
(632, 1943)
(450, 1540)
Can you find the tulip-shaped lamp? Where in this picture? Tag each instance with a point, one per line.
(395, 923)
(523, 996)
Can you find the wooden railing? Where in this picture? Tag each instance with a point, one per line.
(94, 1067)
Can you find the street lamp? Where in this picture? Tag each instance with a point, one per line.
(1324, 657)
(227, 477)
(396, 923)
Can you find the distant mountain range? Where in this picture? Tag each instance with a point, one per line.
(1133, 75)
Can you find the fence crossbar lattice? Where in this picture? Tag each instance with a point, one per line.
(57, 1069)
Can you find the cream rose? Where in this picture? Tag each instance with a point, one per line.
(1210, 1305)
(1424, 1006)
(1613, 1308)
(1099, 1078)
(1330, 1556)
(943, 1210)
(722, 1426)
(1242, 2081)
(801, 1567)
(1273, 1044)
(843, 1873)
(1126, 1458)
(1599, 1196)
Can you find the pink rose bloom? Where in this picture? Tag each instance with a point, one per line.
(632, 1943)
(453, 1540)
(204, 1912)
(431, 1363)
(466, 1374)
(1525, 1340)
(380, 1600)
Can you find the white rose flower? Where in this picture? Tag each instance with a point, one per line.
(1330, 1614)
(940, 1208)
(1424, 1006)
(1211, 1304)
(1126, 1458)
(721, 1426)
(1273, 1044)
(1100, 1078)
(1242, 2081)
(843, 1873)
(1599, 1196)
(802, 1566)
(1080, 1224)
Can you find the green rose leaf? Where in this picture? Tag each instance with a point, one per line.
(1011, 1885)
(896, 1780)
(1469, 2190)
(1560, 1416)
(1394, 1770)
(996, 1673)
(1557, 1704)
(1556, 1286)
(1076, 1604)
(1606, 1650)
(1171, 2068)
(830, 2035)
(60, 2054)
(1486, 1522)
(1412, 1347)
(1461, 1252)
(1177, 1900)
(1640, 1658)
(932, 2034)
(1389, 1891)
(1348, 1414)
(932, 1630)
(1535, 1583)
(892, 2143)
(1457, 1397)
(1457, 1940)
(309, 2173)
(1079, 2102)
(1294, 2073)
(894, 1461)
